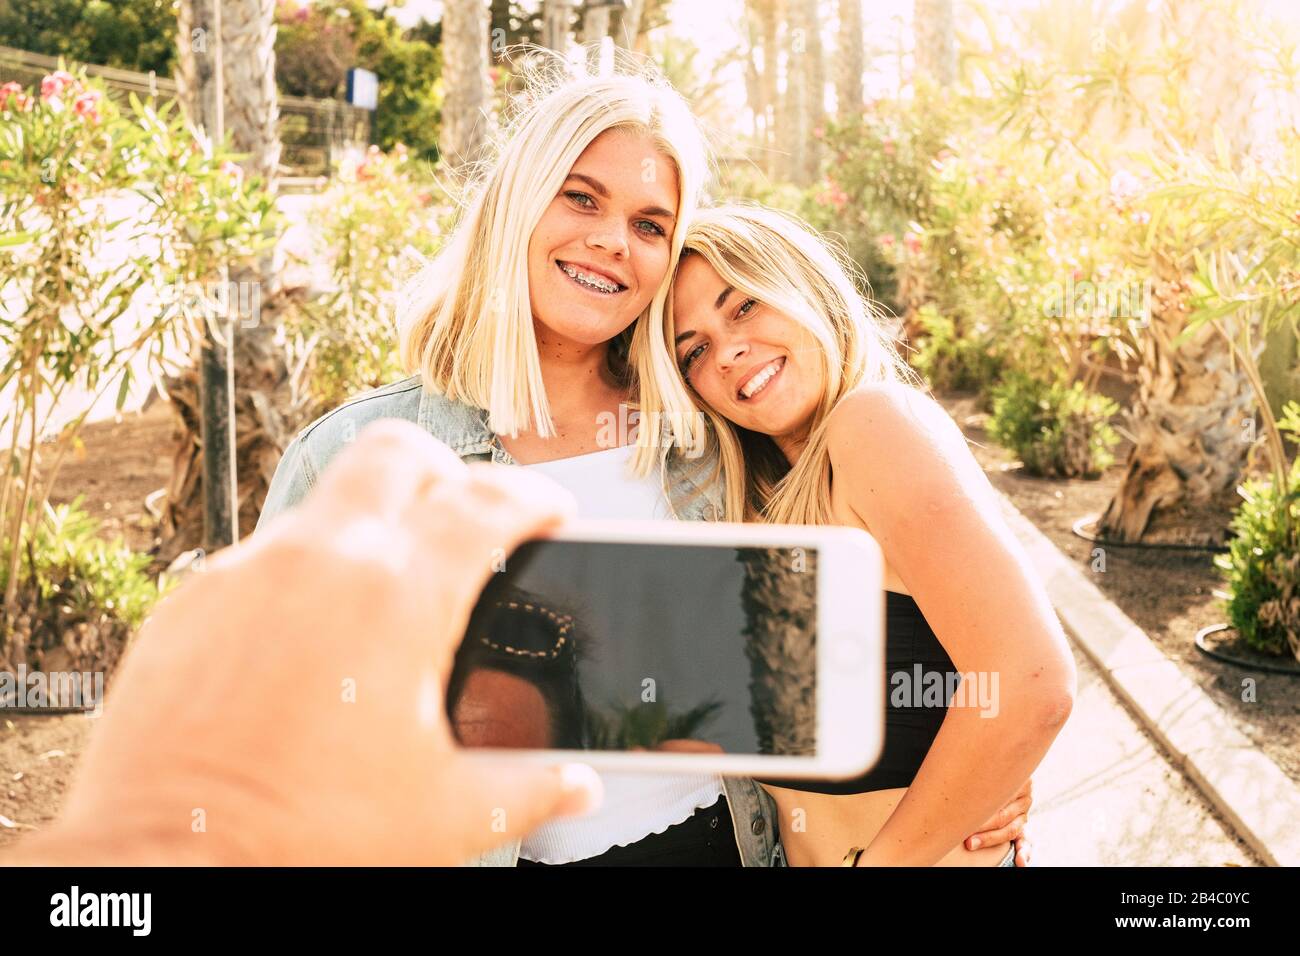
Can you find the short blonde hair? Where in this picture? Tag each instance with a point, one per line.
(781, 261)
(466, 323)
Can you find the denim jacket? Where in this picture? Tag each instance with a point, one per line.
(464, 429)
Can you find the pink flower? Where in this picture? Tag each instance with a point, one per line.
(887, 147)
(1123, 187)
(912, 242)
(11, 93)
(494, 75)
(1141, 217)
(53, 85)
(86, 105)
(819, 132)
(885, 241)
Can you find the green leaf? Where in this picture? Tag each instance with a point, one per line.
(124, 389)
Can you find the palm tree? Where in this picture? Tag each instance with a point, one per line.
(1193, 402)
(464, 72)
(268, 405)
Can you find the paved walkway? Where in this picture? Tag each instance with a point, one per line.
(1107, 796)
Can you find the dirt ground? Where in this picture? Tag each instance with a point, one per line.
(123, 463)
(1169, 594)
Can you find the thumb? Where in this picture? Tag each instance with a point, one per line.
(523, 798)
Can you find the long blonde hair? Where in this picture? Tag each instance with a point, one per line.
(465, 320)
(782, 262)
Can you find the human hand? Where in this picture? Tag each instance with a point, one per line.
(286, 705)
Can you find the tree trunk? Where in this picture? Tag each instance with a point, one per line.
(628, 28)
(464, 71)
(268, 405)
(780, 604)
(771, 71)
(936, 47)
(557, 15)
(815, 92)
(795, 129)
(1191, 419)
(850, 62)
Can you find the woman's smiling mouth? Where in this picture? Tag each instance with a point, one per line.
(759, 381)
(591, 281)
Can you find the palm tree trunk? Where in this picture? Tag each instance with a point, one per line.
(268, 404)
(850, 61)
(556, 18)
(796, 130)
(936, 48)
(780, 604)
(1192, 419)
(1188, 418)
(464, 71)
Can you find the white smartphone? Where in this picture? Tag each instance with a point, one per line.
(657, 646)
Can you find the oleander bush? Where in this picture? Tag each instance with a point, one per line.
(111, 217)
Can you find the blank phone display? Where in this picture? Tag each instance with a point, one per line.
(618, 646)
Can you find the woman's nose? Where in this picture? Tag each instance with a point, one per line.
(731, 352)
(609, 237)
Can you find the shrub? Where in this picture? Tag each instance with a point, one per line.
(950, 361)
(1055, 429)
(376, 220)
(1262, 566)
(72, 160)
(79, 596)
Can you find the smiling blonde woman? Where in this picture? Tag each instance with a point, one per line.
(819, 421)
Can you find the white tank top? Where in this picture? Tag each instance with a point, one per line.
(636, 804)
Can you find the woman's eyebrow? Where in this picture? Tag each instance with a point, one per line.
(599, 189)
(595, 185)
(718, 304)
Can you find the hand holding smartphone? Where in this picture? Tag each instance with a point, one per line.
(753, 650)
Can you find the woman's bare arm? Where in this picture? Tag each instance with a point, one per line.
(912, 480)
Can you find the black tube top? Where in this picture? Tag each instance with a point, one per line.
(910, 725)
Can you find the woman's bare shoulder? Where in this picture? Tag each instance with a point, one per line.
(895, 445)
(888, 413)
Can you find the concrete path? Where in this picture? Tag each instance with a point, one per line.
(1108, 795)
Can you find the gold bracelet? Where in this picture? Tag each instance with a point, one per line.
(851, 858)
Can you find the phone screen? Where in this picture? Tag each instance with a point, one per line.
(621, 646)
